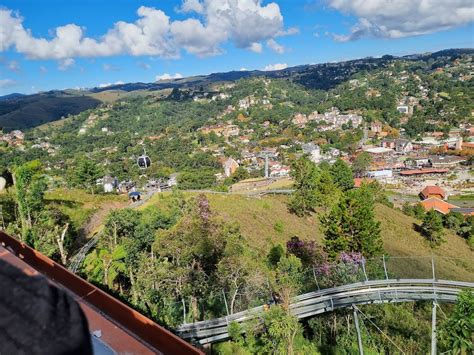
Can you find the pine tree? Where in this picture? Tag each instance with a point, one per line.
(304, 199)
(432, 228)
(351, 225)
(326, 191)
(342, 175)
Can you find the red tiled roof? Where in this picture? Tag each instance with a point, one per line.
(423, 171)
(359, 181)
(123, 329)
(436, 204)
(432, 190)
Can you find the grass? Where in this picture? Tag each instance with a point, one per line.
(283, 183)
(258, 217)
(80, 205)
(462, 200)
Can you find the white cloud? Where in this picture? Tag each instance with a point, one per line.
(277, 66)
(4, 83)
(65, 64)
(256, 47)
(110, 84)
(242, 22)
(273, 45)
(289, 32)
(167, 76)
(243, 69)
(402, 18)
(192, 6)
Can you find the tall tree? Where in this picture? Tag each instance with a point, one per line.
(342, 175)
(326, 191)
(432, 228)
(351, 225)
(86, 174)
(30, 187)
(304, 198)
(361, 163)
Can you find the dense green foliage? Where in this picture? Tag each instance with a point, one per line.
(457, 332)
(351, 225)
(432, 227)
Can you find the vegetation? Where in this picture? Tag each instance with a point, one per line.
(432, 227)
(457, 331)
(186, 256)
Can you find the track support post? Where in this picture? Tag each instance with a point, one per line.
(359, 337)
(433, 329)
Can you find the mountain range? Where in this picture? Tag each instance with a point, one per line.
(18, 111)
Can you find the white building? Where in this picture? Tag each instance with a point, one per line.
(313, 150)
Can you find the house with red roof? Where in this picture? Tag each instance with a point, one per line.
(434, 203)
(432, 191)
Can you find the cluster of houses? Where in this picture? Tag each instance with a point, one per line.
(13, 139)
(314, 153)
(333, 119)
(112, 184)
(255, 162)
(221, 129)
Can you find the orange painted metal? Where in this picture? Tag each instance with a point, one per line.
(153, 336)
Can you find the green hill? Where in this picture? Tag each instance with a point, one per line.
(266, 222)
(34, 110)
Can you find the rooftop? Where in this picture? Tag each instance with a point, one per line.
(423, 171)
(438, 205)
(432, 190)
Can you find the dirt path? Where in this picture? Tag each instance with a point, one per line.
(96, 221)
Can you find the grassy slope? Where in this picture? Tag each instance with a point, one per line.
(80, 205)
(257, 218)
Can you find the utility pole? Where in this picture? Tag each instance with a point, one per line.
(266, 166)
(359, 338)
(433, 329)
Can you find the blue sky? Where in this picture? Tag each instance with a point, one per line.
(56, 44)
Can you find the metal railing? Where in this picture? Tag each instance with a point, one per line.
(377, 280)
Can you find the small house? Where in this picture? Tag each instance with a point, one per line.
(432, 191)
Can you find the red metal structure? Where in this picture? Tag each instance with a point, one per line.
(123, 329)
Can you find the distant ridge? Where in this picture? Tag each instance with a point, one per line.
(11, 96)
(25, 111)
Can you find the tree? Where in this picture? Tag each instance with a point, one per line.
(326, 191)
(288, 279)
(432, 228)
(361, 163)
(342, 175)
(304, 198)
(457, 331)
(275, 254)
(105, 266)
(351, 225)
(240, 174)
(30, 187)
(86, 173)
(281, 330)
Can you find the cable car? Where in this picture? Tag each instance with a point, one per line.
(144, 161)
